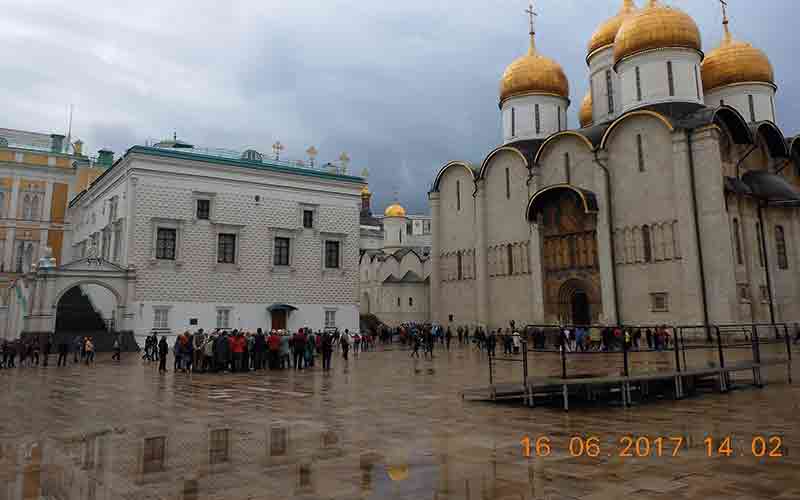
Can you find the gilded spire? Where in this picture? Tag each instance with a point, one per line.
(726, 37)
(532, 17)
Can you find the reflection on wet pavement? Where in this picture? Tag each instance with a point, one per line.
(384, 426)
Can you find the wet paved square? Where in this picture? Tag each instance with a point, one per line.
(380, 426)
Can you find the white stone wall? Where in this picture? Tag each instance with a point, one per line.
(550, 107)
(654, 80)
(738, 97)
(255, 204)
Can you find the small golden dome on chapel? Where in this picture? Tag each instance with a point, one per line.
(394, 210)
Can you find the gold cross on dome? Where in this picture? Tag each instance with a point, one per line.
(724, 4)
(532, 14)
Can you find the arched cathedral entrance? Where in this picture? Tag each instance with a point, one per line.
(566, 218)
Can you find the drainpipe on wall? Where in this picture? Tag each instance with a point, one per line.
(697, 225)
(611, 236)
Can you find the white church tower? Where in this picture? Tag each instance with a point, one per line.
(657, 55)
(604, 101)
(741, 76)
(534, 95)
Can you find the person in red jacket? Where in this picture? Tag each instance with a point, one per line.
(274, 346)
(238, 345)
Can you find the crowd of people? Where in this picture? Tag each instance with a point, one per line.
(242, 351)
(36, 351)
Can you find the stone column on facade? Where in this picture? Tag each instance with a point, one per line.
(11, 232)
(131, 223)
(689, 305)
(435, 287)
(482, 263)
(45, 218)
(715, 230)
(536, 274)
(605, 234)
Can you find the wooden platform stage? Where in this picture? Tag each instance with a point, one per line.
(677, 384)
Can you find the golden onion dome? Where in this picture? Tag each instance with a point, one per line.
(533, 73)
(394, 210)
(656, 27)
(735, 62)
(604, 35)
(585, 114)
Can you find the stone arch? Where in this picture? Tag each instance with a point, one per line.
(447, 166)
(117, 296)
(643, 112)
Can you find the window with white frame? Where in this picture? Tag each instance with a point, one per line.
(161, 318)
(166, 243)
(223, 317)
(226, 248)
(332, 254)
(330, 318)
(282, 251)
(203, 209)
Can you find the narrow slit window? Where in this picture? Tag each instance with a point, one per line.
(508, 184)
(458, 195)
(670, 79)
(640, 151)
(780, 248)
(737, 241)
(460, 270)
(510, 258)
(538, 119)
(610, 89)
(567, 169)
(559, 118)
(513, 123)
(638, 84)
(752, 104)
(647, 244)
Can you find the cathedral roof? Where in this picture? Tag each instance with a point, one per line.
(532, 74)
(735, 62)
(656, 27)
(771, 187)
(605, 34)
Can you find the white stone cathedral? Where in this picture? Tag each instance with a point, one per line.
(676, 201)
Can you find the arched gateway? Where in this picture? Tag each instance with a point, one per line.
(566, 217)
(52, 291)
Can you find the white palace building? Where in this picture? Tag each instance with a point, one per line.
(173, 237)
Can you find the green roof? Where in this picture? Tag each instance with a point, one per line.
(226, 157)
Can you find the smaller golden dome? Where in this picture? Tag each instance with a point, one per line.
(394, 210)
(656, 27)
(604, 35)
(585, 114)
(533, 73)
(735, 62)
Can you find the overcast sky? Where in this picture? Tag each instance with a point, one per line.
(402, 87)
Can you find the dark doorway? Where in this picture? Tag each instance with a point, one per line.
(278, 319)
(580, 308)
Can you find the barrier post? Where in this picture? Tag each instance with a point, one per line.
(525, 361)
(625, 356)
(491, 375)
(789, 355)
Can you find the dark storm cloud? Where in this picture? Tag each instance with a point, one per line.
(402, 87)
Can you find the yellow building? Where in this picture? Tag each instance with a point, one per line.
(39, 174)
